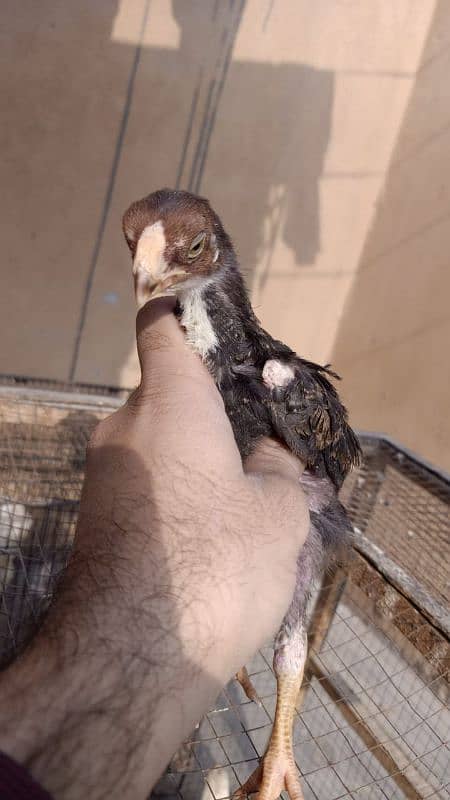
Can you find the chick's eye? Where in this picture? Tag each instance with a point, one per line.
(197, 246)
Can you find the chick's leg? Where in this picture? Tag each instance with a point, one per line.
(278, 770)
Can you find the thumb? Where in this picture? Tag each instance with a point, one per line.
(167, 363)
(157, 331)
(272, 457)
(163, 355)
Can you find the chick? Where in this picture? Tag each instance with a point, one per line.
(180, 248)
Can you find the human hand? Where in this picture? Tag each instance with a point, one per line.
(184, 565)
(225, 537)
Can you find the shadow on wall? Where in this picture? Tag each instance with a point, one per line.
(257, 142)
(98, 116)
(392, 342)
(250, 136)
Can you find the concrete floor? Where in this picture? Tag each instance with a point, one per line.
(321, 132)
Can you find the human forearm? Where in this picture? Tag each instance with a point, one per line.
(121, 668)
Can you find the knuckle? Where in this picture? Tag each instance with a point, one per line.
(135, 400)
(101, 434)
(96, 438)
(148, 394)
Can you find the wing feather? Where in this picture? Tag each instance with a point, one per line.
(310, 418)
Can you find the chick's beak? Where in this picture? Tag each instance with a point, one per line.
(154, 276)
(147, 287)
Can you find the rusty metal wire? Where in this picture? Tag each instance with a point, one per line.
(19, 384)
(402, 508)
(373, 719)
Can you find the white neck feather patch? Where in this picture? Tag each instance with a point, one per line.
(200, 334)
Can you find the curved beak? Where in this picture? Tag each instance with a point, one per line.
(147, 286)
(153, 275)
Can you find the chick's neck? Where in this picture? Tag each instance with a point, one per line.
(217, 316)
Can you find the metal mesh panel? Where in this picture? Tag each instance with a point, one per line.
(404, 509)
(42, 453)
(35, 544)
(372, 719)
(392, 708)
(17, 383)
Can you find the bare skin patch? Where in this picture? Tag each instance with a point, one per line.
(277, 375)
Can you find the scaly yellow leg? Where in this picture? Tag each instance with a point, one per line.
(278, 770)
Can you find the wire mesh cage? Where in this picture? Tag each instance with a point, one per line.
(372, 717)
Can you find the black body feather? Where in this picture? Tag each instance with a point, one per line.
(306, 415)
(304, 412)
